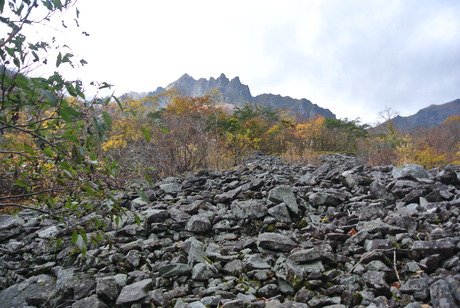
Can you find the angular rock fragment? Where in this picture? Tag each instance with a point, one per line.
(276, 242)
(134, 292)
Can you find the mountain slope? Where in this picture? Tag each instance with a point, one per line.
(236, 93)
(428, 117)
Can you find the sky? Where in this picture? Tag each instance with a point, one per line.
(353, 57)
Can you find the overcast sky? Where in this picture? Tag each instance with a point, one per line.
(353, 57)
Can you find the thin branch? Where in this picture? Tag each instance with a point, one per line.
(31, 194)
(29, 208)
(36, 136)
(395, 268)
(15, 32)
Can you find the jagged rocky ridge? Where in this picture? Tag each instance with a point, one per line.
(266, 234)
(235, 93)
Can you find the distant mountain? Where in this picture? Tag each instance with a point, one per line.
(236, 93)
(428, 117)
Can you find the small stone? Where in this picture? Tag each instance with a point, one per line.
(284, 194)
(199, 223)
(376, 280)
(48, 233)
(107, 289)
(248, 209)
(426, 248)
(203, 271)
(134, 292)
(320, 252)
(413, 170)
(276, 242)
(92, 301)
(175, 270)
(269, 290)
(441, 295)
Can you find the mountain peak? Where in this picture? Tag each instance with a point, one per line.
(238, 94)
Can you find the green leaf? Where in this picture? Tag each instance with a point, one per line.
(107, 119)
(147, 135)
(137, 220)
(70, 88)
(68, 113)
(143, 196)
(58, 243)
(118, 102)
(20, 183)
(104, 85)
(2, 4)
(48, 152)
(74, 237)
(83, 251)
(148, 179)
(57, 4)
(84, 237)
(50, 96)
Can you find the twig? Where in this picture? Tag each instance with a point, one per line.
(395, 268)
(367, 254)
(30, 208)
(30, 194)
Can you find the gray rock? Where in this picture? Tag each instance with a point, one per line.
(441, 296)
(256, 262)
(412, 170)
(418, 287)
(203, 271)
(10, 221)
(195, 251)
(171, 188)
(376, 280)
(234, 267)
(92, 301)
(236, 303)
(280, 212)
(276, 242)
(199, 223)
(175, 270)
(269, 290)
(315, 267)
(323, 198)
(320, 252)
(63, 277)
(107, 289)
(48, 233)
(379, 191)
(427, 248)
(284, 194)
(155, 215)
(248, 209)
(134, 292)
(38, 289)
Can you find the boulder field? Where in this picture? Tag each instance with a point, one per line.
(264, 234)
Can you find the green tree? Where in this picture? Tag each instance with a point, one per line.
(49, 131)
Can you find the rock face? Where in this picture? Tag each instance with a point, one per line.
(235, 93)
(267, 234)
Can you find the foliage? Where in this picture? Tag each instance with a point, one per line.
(50, 133)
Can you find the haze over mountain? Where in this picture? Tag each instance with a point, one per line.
(235, 93)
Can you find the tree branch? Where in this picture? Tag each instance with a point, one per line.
(15, 32)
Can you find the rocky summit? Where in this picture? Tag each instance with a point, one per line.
(264, 234)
